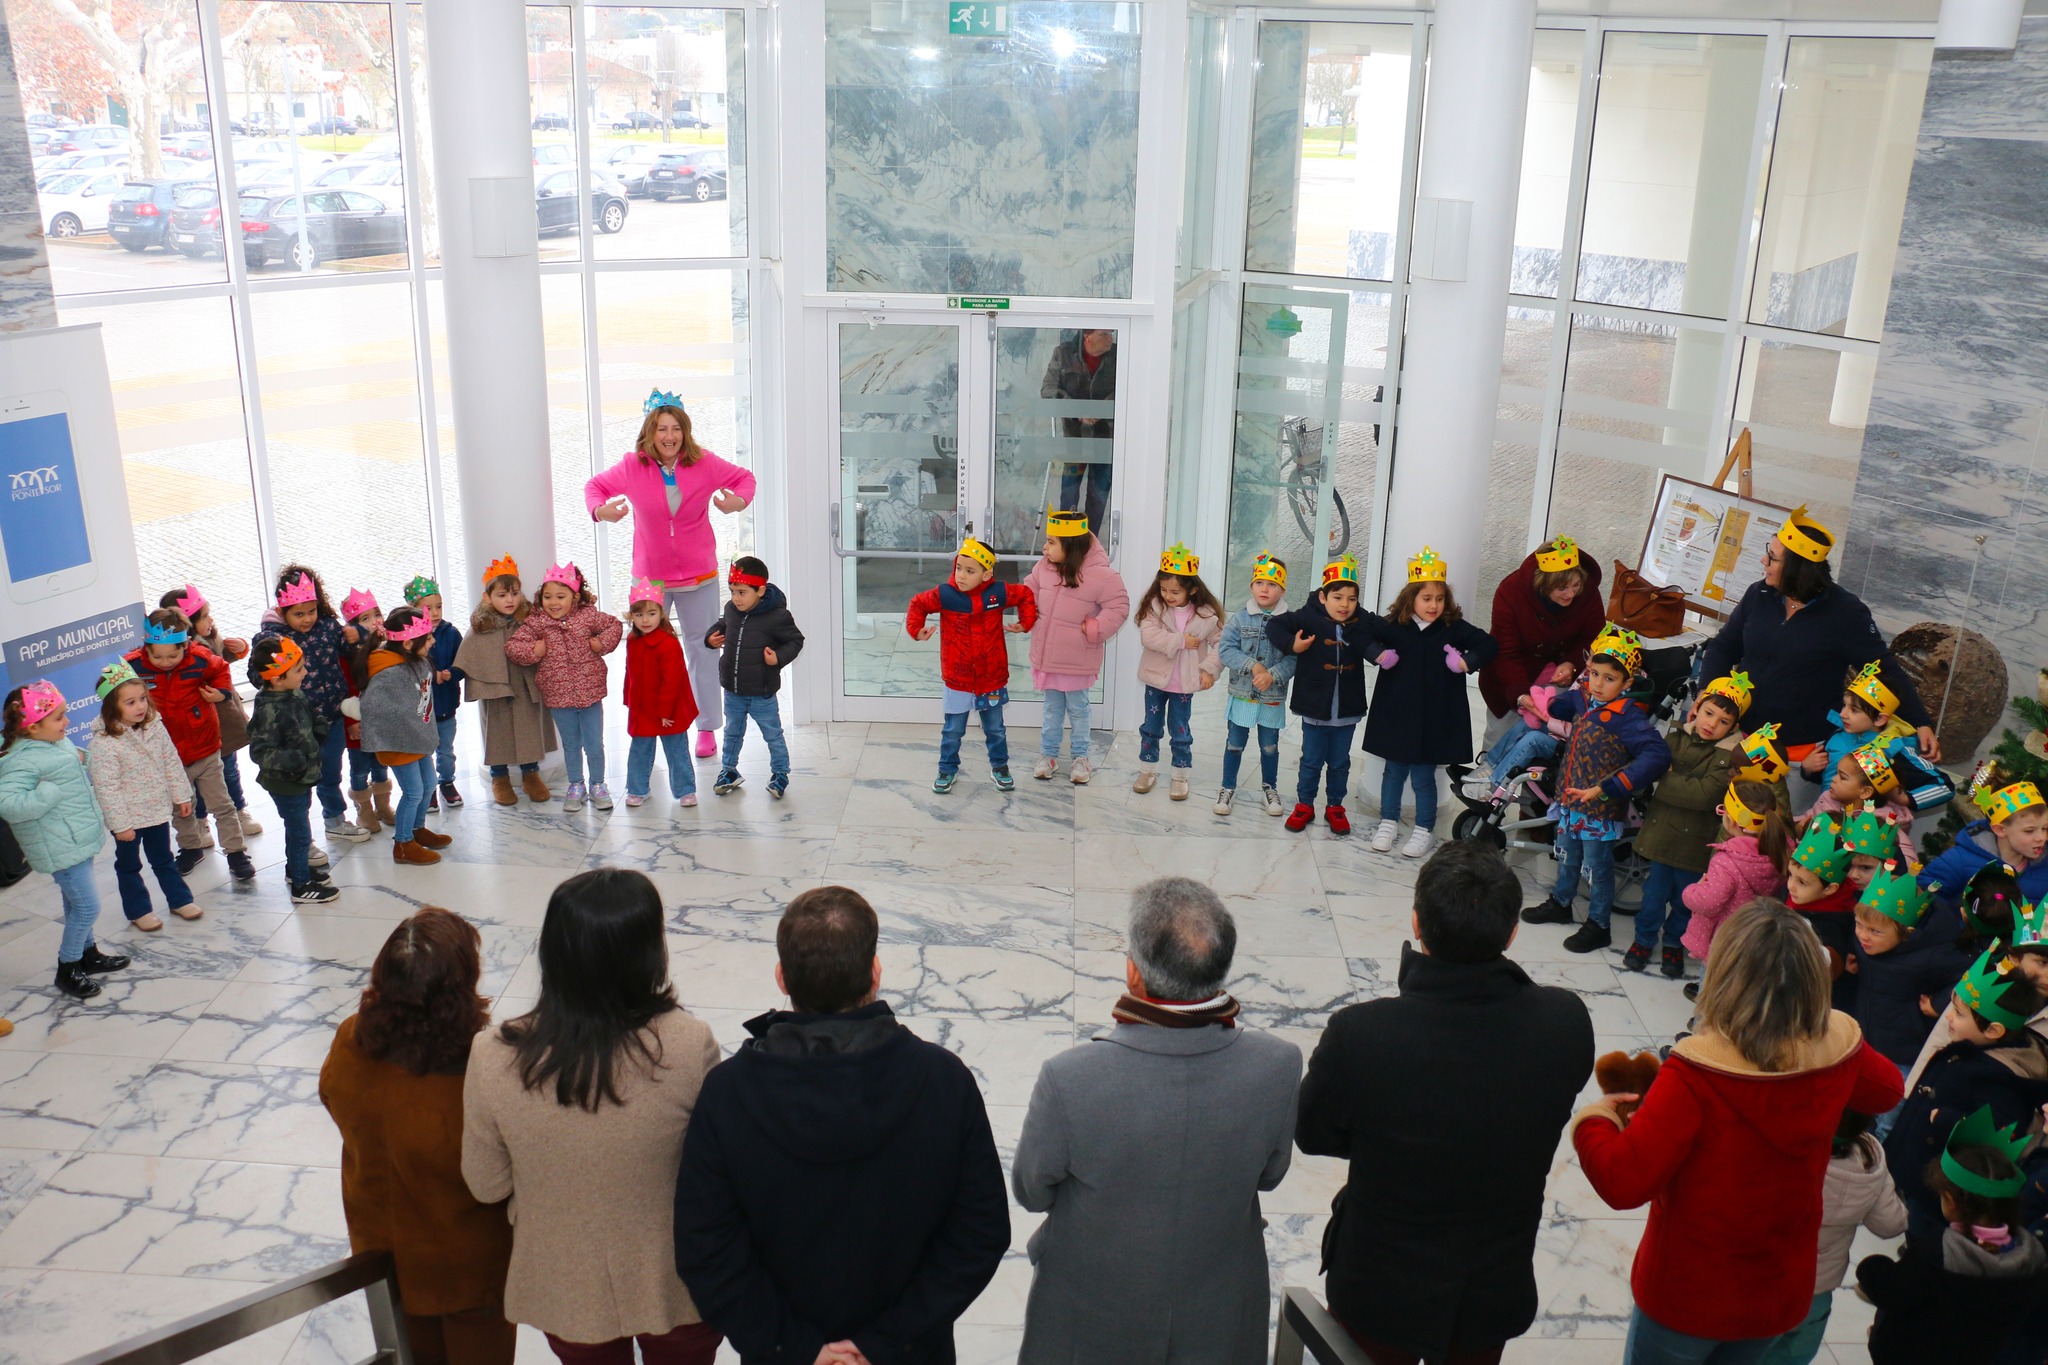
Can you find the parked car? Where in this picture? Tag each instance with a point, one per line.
(280, 149)
(271, 177)
(95, 137)
(337, 224)
(555, 201)
(190, 146)
(333, 123)
(195, 219)
(140, 215)
(75, 162)
(551, 123)
(383, 178)
(77, 203)
(635, 120)
(698, 173)
(553, 154)
(629, 165)
(43, 141)
(377, 148)
(45, 121)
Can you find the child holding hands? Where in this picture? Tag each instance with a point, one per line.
(190, 603)
(1331, 640)
(424, 594)
(287, 743)
(1179, 622)
(140, 785)
(1080, 602)
(565, 642)
(1259, 674)
(756, 638)
(306, 618)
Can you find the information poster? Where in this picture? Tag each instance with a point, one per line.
(1708, 541)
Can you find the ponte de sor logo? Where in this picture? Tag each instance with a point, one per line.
(33, 483)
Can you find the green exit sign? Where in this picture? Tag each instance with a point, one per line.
(977, 20)
(982, 305)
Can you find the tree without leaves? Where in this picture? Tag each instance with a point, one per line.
(1334, 86)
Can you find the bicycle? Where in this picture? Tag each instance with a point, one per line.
(1301, 470)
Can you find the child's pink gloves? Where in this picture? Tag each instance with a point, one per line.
(1453, 660)
(1388, 658)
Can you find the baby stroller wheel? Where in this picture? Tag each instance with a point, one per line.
(1474, 824)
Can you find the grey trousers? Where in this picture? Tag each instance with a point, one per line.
(697, 611)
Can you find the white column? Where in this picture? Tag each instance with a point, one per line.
(490, 281)
(1473, 114)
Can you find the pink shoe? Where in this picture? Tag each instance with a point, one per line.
(707, 744)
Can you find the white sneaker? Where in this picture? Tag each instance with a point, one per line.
(1146, 781)
(1419, 843)
(1224, 797)
(340, 827)
(1383, 837)
(601, 797)
(1275, 807)
(1044, 769)
(1178, 789)
(1081, 772)
(1479, 782)
(572, 800)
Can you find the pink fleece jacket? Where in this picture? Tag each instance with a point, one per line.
(675, 550)
(1163, 644)
(1074, 622)
(570, 674)
(1736, 875)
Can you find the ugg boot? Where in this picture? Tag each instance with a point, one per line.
(416, 854)
(427, 838)
(380, 792)
(536, 790)
(501, 790)
(366, 813)
(250, 829)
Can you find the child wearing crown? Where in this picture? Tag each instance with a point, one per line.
(1863, 783)
(1080, 603)
(507, 694)
(423, 594)
(756, 638)
(659, 702)
(1179, 624)
(306, 618)
(190, 603)
(398, 728)
(974, 663)
(1868, 715)
(141, 786)
(1259, 674)
(369, 782)
(1331, 639)
(1747, 862)
(1899, 970)
(2014, 831)
(186, 680)
(1421, 717)
(286, 743)
(565, 640)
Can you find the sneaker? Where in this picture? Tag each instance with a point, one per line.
(433, 801)
(1692, 990)
(687, 799)
(1420, 841)
(1636, 959)
(1044, 769)
(1588, 937)
(1339, 822)
(1303, 813)
(450, 797)
(241, 867)
(317, 856)
(707, 744)
(601, 796)
(1145, 781)
(1547, 911)
(317, 872)
(189, 858)
(1674, 962)
(1224, 796)
(340, 827)
(1275, 807)
(1479, 781)
(634, 802)
(728, 779)
(572, 799)
(1384, 834)
(943, 783)
(1177, 790)
(1081, 771)
(1004, 782)
(778, 783)
(315, 893)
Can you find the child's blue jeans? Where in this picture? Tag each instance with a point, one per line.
(768, 716)
(1663, 907)
(505, 769)
(1234, 741)
(154, 843)
(231, 774)
(1520, 746)
(1597, 857)
(1166, 713)
(296, 810)
(582, 732)
(993, 733)
(1325, 747)
(331, 749)
(363, 769)
(675, 751)
(81, 909)
(415, 780)
(1064, 710)
(1421, 777)
(444, 756)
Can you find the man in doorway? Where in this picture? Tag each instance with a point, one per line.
(1084, 367)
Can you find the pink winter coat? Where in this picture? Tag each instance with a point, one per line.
(676, 550)
(1074, 622)
(1736, 875)
(1163, 644)
(569, 673)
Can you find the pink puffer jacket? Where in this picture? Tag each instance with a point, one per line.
(1736, 875)
(570, 674)
(1074, 622)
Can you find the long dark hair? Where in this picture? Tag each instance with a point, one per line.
(421, 1008)
(1074, 550)
(291, 572)
(1199, 596)
(603, 979)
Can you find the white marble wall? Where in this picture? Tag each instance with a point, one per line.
(26, 299)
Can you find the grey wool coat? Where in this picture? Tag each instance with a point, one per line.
(1147, 1148)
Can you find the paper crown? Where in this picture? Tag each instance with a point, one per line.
(113, 675)
(1559, 555)
(1876, 763)
(420, 588)
(1871, 835)
(1983, 988)
(1797, 536)
(568, 575)
(421, 624)
(154, 634)
(1180, 561)
(1738, 812)
(504, 566)
(2006, 802)
(1766, 763)
(38, 700)
(662, 398)
(1980, 1129)
(357, 602)
(1867, 685)
(1059, 523)
(2030, 924)
(297, 591)
(754, 580)
(1428, 567)
(644, 590)
(1266, 569)
(287, 658)
(1897, 895)
(190, 603)
(1343, 569)
(1736, 687)
(1822, 851)
(1625, 647)
(976, 551)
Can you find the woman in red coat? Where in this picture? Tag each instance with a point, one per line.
(1730, 1147)
(1545, 614)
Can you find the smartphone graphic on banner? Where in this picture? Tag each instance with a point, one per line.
(43, 534)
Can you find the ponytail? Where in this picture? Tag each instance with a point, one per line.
(1776, 840)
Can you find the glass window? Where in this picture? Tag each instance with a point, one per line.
(1672, 129)
(1329, 130)
(1524, 384)
(1206, 37)
(1847, 128)
(1554, 69)
(1805, 407)
(998, 163)
(550, 64)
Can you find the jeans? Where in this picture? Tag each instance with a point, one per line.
(1597, 855)
(332, 807)
(766, 714)
(1421, 777)
(81, 909)
(363, 769)
(992, 732)
(582, 732)
(1519, 748)
(1269, 753)
(1663, 907)
(415, 780)
(231, 775)
(1166, 713)
(444, 755)
(1651, 1343)
(503, 770)
(675, 752)
(296, 810)
(697, 611)
(1324, 746)
(1800, 1345)
(1069, 709)
(153, 843)
(694, 1343)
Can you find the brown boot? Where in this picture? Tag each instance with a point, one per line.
(501, 790)
(427, 838)
(366, 814)
(536, 790)
(380, 793)
(413, 853)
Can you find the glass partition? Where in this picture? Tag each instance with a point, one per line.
(1547, 137)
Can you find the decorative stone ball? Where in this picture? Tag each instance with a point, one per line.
(1961, 679)
(2041, 686)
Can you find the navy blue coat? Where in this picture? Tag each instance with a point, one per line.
(1889, 987)
(1334, 666)
(2012, 1078)
(1421, 710)
(447, 695)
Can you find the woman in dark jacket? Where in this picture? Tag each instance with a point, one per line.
(1544, 619)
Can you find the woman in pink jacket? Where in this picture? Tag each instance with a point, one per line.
(666, 482)
(1081, 603)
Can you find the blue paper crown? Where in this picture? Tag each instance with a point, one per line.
(154, 634)
(662, 398)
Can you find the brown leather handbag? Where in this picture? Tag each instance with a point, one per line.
(1641, 606)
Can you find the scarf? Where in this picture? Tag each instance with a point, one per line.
(1132, 1009)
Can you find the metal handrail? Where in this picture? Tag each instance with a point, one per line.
(1306, 1325)
(372, 1272)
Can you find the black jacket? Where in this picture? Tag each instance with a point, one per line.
(2011, 1078)
(1951, 1301)
(741, 669)
(1889, 987)
(1448, 1099)
(1068, 376)
(1334, 664)
(1421, 710)
(838, 1181)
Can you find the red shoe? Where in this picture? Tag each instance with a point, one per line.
(1340, 823)
(1303, 813)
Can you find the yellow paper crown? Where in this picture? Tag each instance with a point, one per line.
(1342, 570)
(1868, 686)
(1181, 561)
(1796, 534)
(2007, 802)
(1428, 567)
(1740, 815)
(1766, 763)
(978, 552)
(1266, 569)
(1059, 523)
(1559, 555)
(503, 565)
(1876, 764)
(1624, 646)
(1736, 687)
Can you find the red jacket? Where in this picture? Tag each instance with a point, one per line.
(972, 654)
(193, 723)
(1731, 1161)
(1534, 634)
(658, 697)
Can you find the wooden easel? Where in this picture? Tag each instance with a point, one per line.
(1738, 460)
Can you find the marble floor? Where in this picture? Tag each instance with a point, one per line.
(163, 1148)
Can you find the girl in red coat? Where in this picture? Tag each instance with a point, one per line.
(659, 703)
(1730, 1146)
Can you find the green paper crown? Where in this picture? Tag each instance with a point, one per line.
(421, 587)
(1870, 835)
(1984, 985)
(1822, 851)
(1981, 1130)
(2030, 924)
(1897, 895)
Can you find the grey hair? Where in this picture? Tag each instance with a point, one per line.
(1181, 938)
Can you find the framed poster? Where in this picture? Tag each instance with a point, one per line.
(1707, 541)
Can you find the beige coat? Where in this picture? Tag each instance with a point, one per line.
(516, 724)
(593, 1195)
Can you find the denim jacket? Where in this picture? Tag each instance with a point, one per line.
(1244, 643)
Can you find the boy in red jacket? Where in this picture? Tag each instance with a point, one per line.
(185, 680)
(973, 659)
(659, 702)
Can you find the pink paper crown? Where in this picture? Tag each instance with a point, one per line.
(356, 603)
(568, 575)
(421, 624)
(644, 590)
(38, 700)
(191, 603)
(297, 591)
